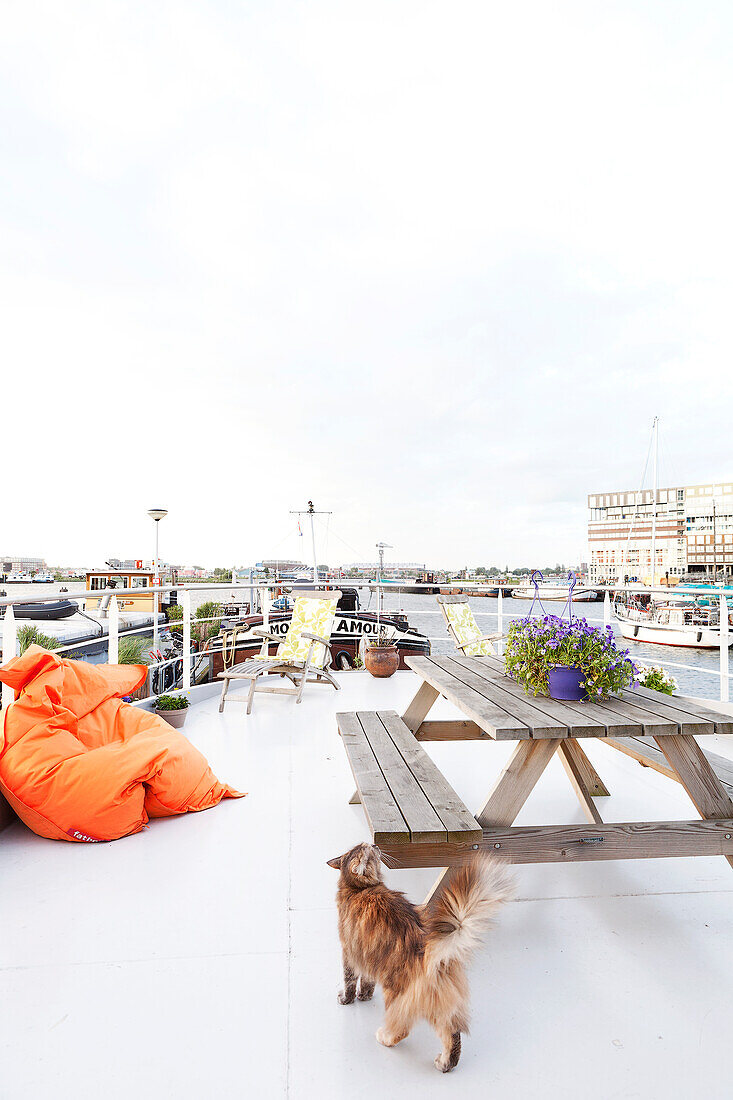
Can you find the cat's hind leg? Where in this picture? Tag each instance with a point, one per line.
(347, 995)
(398, 1021)
(451, 1052)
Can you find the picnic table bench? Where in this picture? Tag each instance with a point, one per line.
(416, 816)
(406, 798)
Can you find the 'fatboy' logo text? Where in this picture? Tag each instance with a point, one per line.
(76, 835)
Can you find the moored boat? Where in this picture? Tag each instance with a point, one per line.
(549, 591)
(683, 624)
(48, 611)
(237, 641)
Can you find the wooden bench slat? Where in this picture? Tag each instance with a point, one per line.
(546, 717)
(617, 715)
(459, 822)
(382, 812)
(723, 723)
(489, 716)
(614, 720)
(420, 817)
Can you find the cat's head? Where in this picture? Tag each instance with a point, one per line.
(359, 867)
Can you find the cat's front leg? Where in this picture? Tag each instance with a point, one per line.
(347, 996)
(448, 1058)
(366, 990)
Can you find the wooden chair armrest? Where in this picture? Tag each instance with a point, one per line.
(316, 638)
(266, 634)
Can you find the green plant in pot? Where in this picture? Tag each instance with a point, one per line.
(567, 659)
(381, 656)
(172, 708)
(656, 679)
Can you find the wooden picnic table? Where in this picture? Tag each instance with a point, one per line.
(658, 730)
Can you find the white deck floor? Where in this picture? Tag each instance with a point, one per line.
(200, 957)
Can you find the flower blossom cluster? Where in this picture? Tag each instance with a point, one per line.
(538, 644)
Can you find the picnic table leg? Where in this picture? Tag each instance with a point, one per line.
(416, 712)
(591, 778)
(577, 780)
(511, 790)
(709, 796)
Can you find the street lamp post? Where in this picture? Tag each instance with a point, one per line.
(156, 514)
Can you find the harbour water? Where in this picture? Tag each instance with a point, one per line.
(423, 613)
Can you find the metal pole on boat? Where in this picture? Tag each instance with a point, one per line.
(313, 543)
(724, 642)
(381, 547)
(113, 647)
(186, 601)
(607, 609)
(10, 642)
(500, 619)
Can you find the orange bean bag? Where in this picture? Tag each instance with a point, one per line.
(76, 763)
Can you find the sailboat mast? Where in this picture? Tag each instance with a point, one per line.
(311, 513)
(654, 511)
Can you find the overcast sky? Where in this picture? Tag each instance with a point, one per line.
(435, 266)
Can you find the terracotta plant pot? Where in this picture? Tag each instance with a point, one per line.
(174, 718)
(381, 660)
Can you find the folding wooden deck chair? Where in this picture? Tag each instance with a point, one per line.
(463, 627)
(303, 656)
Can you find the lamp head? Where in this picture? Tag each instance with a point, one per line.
(158, 513)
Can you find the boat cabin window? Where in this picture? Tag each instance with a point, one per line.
(98, 584)
(138, 582)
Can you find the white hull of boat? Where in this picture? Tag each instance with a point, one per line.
(693, 637)
(553, 592)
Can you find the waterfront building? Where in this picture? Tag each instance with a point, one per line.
(16, 563)
(694, 532)
(389, 569)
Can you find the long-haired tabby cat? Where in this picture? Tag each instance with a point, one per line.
(417, 954)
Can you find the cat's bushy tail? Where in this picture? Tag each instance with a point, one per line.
(464, 908)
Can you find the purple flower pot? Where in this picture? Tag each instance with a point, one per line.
(566, 682)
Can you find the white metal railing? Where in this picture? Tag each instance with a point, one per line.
(9, 647)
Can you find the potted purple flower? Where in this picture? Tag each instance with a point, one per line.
(567, 659)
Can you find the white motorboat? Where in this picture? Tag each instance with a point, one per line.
(679, 624)
(549, 591)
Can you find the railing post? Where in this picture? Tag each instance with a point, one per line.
(113, 618)
(186, 601)
(156, 606)
(607, 609)
(10, 644)
(724, 674)
(500, 620)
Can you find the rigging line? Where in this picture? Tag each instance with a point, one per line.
(285, 538)
(348, 545)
